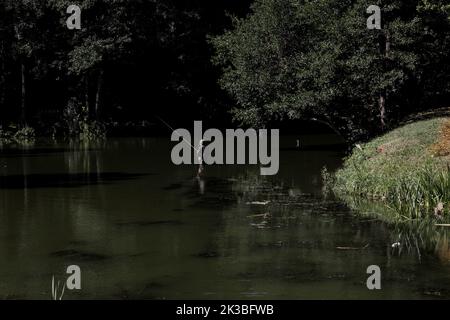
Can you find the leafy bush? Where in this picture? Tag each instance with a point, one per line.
(25, 134)
(17, 134)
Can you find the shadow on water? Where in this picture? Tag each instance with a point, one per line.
(79, 255)
(337, 147)
(149, 223)
(211, 193)
(31, 181)
(35, 152)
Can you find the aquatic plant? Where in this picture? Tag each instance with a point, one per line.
(328, 181)
(17, 134)
(416, 197)
(24, 134)
(55, 289)
(76, 123)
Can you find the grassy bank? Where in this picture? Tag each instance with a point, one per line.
(406, 169)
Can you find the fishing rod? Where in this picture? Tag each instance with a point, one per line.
(175, 131)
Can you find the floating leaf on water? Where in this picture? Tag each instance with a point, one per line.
(352, 248)
(262, 203)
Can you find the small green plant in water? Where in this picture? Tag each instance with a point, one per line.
(15, 134)
(328, 181)
(56, 288)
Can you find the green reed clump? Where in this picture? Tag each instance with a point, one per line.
(426, 194)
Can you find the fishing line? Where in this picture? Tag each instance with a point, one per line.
(175, 131)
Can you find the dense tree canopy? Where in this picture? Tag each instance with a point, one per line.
(317, 60)
(287, 59)
(130, 60)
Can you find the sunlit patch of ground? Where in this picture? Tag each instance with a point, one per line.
(442, 147)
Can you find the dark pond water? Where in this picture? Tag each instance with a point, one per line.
(140, 227)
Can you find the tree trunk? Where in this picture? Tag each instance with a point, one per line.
(2, 79)
(23, 96)
(86, 94)
(98, 94)
(3, 90)
(385, 47)
(382, 109)
(3, 87)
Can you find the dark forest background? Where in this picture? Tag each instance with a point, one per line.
(130, 61)
(256, 63)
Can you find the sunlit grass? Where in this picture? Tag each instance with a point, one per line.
(403, 170)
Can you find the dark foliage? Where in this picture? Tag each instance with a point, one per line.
(130, 61)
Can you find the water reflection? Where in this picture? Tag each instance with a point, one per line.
(409, 237)
(140, 227)
(201, 184)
